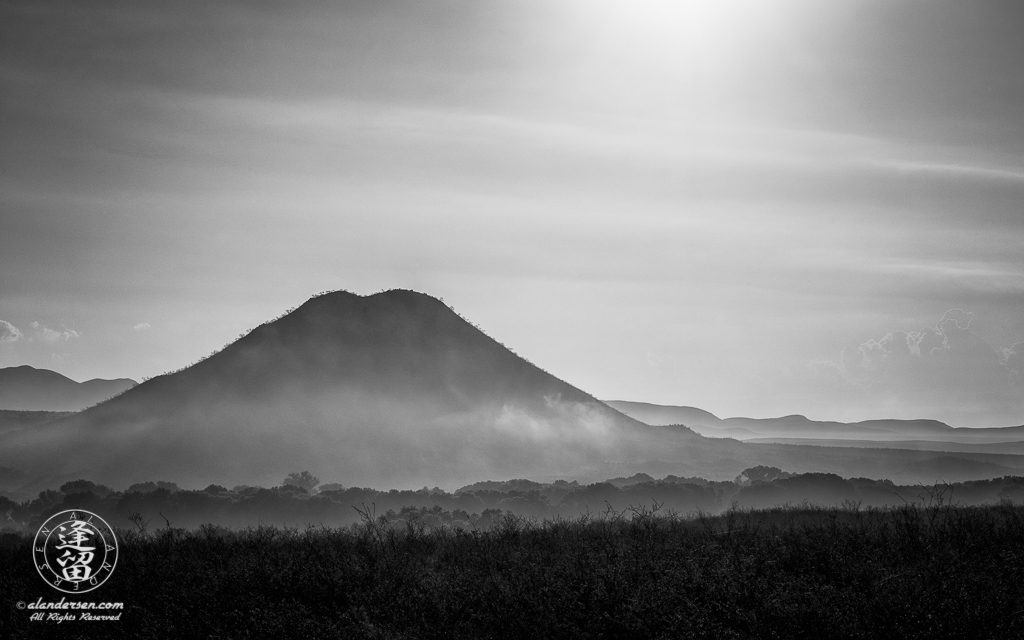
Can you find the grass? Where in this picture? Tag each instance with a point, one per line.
(908, 572)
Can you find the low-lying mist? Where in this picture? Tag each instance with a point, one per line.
(354, 437)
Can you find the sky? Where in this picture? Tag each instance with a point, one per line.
(759, 208)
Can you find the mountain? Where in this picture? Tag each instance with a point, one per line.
(396, 390)
(26, 388)
(386, 390)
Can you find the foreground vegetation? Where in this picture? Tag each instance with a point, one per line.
(908, 572)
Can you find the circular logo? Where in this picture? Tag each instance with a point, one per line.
(75, 551)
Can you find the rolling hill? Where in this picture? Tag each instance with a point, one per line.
(26, 388)
(794, 428)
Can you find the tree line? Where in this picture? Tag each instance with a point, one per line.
(300, 499)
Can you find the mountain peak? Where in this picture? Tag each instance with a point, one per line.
(407, 298)
(397, 340)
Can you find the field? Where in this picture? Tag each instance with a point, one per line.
(907, 572)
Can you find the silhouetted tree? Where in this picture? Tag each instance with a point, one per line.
(77, 486)
(147, 487)
(761, 473)
(303, 479)
(81, 486)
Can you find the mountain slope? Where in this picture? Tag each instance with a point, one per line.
(26, 388)
(14, 420)
(391, 389)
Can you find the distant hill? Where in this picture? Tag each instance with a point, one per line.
(388, 390)
(1015, 447)
(791, 429)
(26, 388)
(656, 414)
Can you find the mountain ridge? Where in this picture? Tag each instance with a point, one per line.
(26, 388)
(798, 426)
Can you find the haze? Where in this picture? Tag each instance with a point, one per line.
(755, 208)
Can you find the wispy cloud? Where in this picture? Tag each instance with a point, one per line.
(9, 332)
(950, 170)
(47, 334)
(142, 326)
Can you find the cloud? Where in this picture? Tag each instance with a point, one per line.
(1013, 359)
(49, 335)
(945, 371)
(142, 326)
(9, 332)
